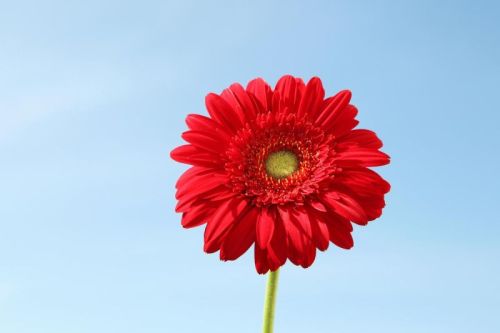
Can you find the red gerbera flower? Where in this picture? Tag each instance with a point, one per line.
(284, 169)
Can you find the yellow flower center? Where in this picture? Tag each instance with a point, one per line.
(281, 164)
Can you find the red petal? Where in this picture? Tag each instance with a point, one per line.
(346, 206)
(361, 138)
(277, 248)
(362, 181)
(242, 104)
(197, 215)
(311, 102)
(338, 229)
(204, 141)
(241, 236)
(262, 93)
(317, 205)
(224, 217)
(301, 249)
(222, 112)
(289, 90)
(338, 236)
(260, 257)
(189, 154)
(206, 125)
(294, 239)
(372, 206)
(366, 187)
(300, 217)
(344, 122)
(332, 109)
(361, 157)
(275, 255)
(223, 194)
(309, 254)
(199, 184)
(265, 227)
(189, 174)
(212, 194)
(320, 229)
(321, 235)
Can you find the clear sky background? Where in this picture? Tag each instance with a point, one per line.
(93, 96)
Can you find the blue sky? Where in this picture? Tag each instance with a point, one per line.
(92, 99)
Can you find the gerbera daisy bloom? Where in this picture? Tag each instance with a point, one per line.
(283, 170)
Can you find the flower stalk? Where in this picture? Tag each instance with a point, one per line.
(270, 301)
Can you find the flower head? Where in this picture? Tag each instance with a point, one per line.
(283, 169)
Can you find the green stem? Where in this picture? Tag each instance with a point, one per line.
(270, 301)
